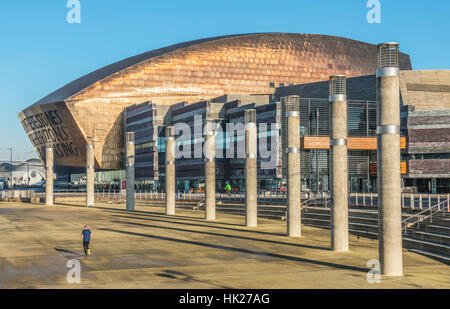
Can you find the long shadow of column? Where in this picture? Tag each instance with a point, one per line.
(221, 235)
(261, 253)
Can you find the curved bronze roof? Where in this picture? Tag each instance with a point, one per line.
(93, 105)
(85, 81)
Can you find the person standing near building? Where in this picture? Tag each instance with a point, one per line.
(86, 236)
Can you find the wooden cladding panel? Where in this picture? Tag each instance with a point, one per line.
(359, 143)
(373, 168)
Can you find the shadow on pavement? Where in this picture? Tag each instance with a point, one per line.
(274, 255)
(218, 234)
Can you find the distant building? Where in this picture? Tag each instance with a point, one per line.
(426, 124)
(23, 173)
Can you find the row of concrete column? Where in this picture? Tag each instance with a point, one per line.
(389, 185)
(388, 159)
(388, 135)
(90, 175)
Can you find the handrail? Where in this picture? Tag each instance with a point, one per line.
(419, 217)
(305, 204)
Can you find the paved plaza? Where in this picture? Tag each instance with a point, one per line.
(147, 249)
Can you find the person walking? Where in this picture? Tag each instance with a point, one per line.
(86, 236)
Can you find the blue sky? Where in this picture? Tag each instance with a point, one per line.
(40, 51)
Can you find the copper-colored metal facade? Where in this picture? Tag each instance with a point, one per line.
(192, 71)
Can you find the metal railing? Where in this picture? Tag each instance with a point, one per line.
(412, 201)
(416, 219)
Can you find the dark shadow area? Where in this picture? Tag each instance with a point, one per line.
(176, 275)
(70, 205)
(139, 212)
(67, 251)
(186, 218)
(176, 217)
(223, 235)
(164, 219)
(274, 255)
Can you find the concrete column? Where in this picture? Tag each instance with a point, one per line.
(389, 177)
(210, 171)
(251, 171)
(90, 175)
(339, 164)
(170, 170)
(130, 160)
(49, 165)
(293, 172)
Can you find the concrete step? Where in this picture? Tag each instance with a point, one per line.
(363, 227)
(363, 233)
(438, 229)
(354, 207)
(260, 215)
(260, 209)
(361, 220)
(432, 247)
(363, 214)
(436, 256)
(319, 216)
(163, 202)
(356, 220)
(325, 225)
(277, 215)
(441, 221)
(316, 222)
(433, 222)
(431, 237)
(352, 213)
(316, 211)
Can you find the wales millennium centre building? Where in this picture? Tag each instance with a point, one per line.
(221, 77)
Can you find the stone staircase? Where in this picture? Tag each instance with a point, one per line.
(276, 212)
(431, 238)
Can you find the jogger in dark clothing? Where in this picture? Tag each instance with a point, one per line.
(86, 247)
(86, 236)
